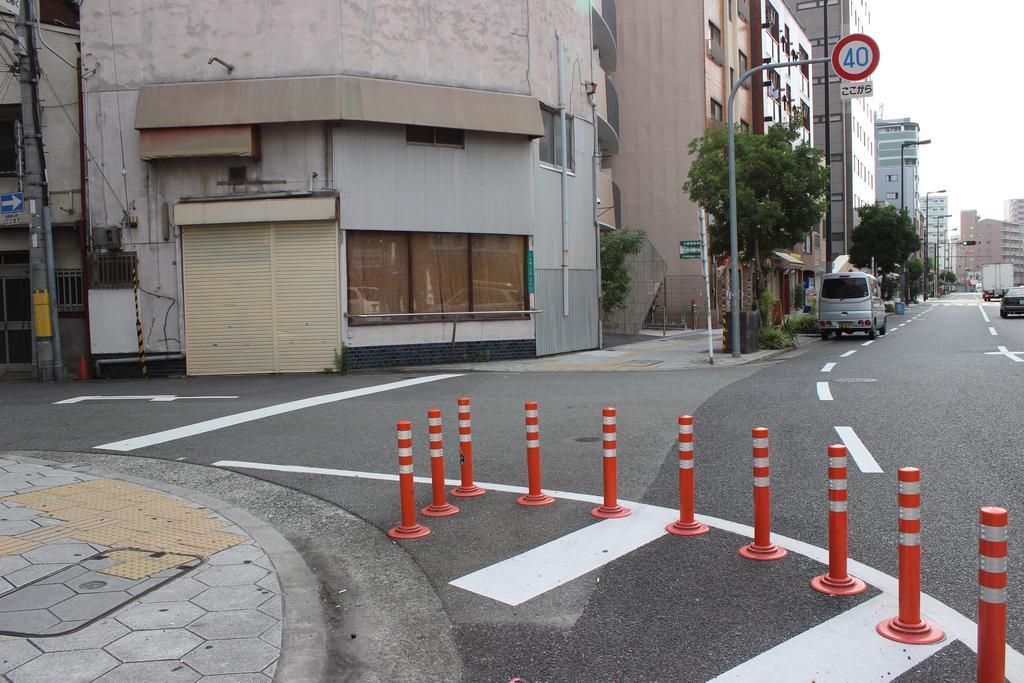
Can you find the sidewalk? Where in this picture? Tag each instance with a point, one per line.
(676, 351)
(105, 579)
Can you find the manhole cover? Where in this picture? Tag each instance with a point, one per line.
(855, 380)
(55, 605)
(588, 439)
(640, 362)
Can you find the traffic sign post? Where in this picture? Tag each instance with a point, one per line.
(689, 249)
(12, 202)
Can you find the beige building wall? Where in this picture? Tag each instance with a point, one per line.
(666, 79)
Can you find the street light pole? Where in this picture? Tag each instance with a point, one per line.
(927, 229)
(733, 238)
(903, 206)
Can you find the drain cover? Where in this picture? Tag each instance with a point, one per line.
(641, 362)
(76, 596)
(588, 439)
(855, 380)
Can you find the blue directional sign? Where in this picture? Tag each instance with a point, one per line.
(12, 202)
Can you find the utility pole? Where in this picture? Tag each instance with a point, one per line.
(828, 142)
(49, 365)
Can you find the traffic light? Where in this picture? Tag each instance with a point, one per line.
(969, 243)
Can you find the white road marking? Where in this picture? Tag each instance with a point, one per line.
(158, 398)
(1012, 355)
(858, 451)
(844, 648)
(992, 331)
(983, 314)
(538, 570)
(848, 354)
(260, 413)
(824, 393)
(868, 343)
(902, 324)
(828, 367)
(955, 624)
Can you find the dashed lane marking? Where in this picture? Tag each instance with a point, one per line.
(983, 314)
(828, 367)
(158, 398)
(992, 331)
(848, 354)
(956, 625)
(824, 393)
(868, 343)
(260, 413)
(858, 451)
(844, 648)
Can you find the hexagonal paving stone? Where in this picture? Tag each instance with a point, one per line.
(165, 671)
(272, 607)
(223, 598)
(151, 646)
(159, 615)
(90, 605)
(96, 635)
(239, 554)
(10, 563)
(246, 623)
(97, 582)
(14, 652)
(184, 588)
(13, 514)
(63, 575)
(77, 665)
(20, 577)
(66, 553)
(231, 575)
(17, 527)
(34, 597)
(244, 655)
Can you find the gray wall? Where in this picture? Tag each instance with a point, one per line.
(555, 332)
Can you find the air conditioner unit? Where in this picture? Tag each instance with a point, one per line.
(107, 239)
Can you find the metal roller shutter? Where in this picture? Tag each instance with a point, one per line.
(260, 298)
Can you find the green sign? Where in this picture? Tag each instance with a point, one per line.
(689, 249)
(529, 272)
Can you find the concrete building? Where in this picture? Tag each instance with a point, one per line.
(895, 186)
(388, 179)
(997, 242)
(935, 208)
(853, 151)
(1013, 211)
(58, 91)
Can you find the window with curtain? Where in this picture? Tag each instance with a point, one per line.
(430, 272)
(378, 272)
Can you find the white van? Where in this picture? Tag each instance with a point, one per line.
(848, 303)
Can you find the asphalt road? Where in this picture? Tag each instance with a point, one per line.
(925, 395)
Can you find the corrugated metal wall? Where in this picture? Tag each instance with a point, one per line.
(555, 332)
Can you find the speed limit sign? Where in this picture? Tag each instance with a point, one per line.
(855, 57)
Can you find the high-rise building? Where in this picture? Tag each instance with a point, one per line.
(897, 186)
(851, 122)
(1013, 210)
(997, 242)
(935, 209)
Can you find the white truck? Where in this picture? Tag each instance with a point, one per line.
(996, 278)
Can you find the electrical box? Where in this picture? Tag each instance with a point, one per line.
(108, 238)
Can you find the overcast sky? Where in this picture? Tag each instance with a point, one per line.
(950, 66)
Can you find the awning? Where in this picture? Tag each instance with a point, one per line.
(206, 141)
(789, 258)
(335, 98)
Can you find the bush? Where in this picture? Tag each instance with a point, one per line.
(804, 323)
(774, 338)
(890, 308)
(765, 306)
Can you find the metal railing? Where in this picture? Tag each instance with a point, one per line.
(112, 271)
(69, 290)
(612, 99)
(444, 314)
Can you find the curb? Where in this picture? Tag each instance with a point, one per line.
(303, 654)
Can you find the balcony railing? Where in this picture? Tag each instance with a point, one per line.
(716, 51)
(743, 9)
(610, 16)
(604, 39)
(612, 103)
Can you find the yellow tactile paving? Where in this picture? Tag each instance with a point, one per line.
(115, 513)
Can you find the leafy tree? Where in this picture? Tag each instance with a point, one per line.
(885, 233)
(780, 189)
(616, 281)
(915, 268)
(948, 276)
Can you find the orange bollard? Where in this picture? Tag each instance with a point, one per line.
(762, 548)
(836, 581)
(440, 507)
(468, 488)
(908, 627)
(992, 595)
(686, 525)
(536, 496)
(408, 527)
(611, 507)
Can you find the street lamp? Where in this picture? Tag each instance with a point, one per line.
(927, 227)
(903, 202)
(938, 269)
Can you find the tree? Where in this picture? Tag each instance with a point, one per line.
(948, 276)
(915, 268)
(884, 233)
(780, 189)
(616, 281)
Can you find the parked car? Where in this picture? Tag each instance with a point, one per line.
(1012, 303)
(848, 303)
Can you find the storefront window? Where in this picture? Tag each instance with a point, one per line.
(499, 265)
(440, 272)
(378, 272)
